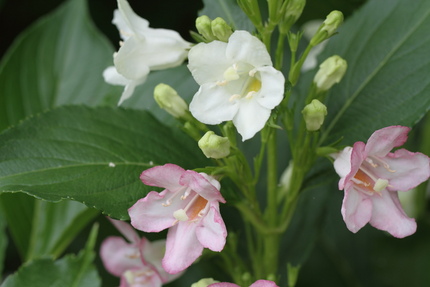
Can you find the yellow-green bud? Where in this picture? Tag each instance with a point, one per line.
(293, 41)
(328, 27)
(169, 100)
(331, 71)
(221, 30)
(204, 282)
(214, 146)
(203, 25)
(293, 12)
(314, 114)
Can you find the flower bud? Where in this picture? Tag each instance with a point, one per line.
(214, 146)
(221, 30)
(331, 71)
(169, 100)
(293, 12)
(314, 114)
(328, 27)
(204, 282)
(203, 25)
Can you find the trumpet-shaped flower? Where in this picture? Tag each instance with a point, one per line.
(237, 82)
(371, 176)
(137, 262)
(144, 49)
(188, 207)
(258, 283)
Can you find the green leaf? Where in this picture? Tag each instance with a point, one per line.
(91, 155)
(3, 240)
(73, 271)
(58, 60)
(229, 11)
(55, 225)
(387, 81)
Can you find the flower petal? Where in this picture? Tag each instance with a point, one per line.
(150, 215)
(131, 60)
(126, 230)
(272, 87)
(223, 284)
(118, 255)
(211, 105)
(208, 62)
(358, 155)
(405, 170)
(388, 215)
(166, 176)
(250, 118)
(212, 231)
(382, 141)
(111, 76)
(182, 247)
(243, 47)
(342, 164)
(200, 184)
(129, 20)
(129, 89)
(264, 283)
(143, 277)
(356, 208)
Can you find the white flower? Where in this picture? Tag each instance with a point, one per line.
(237, 82)
(144, 49)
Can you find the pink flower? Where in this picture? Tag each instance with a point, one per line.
(188, 206)
(258, 283)
(137, 263)
(371, 176)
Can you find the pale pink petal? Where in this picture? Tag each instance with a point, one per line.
(201, 186)
(153, 253)
(118, 256)
(224, 284)
(250, 118)
(212, 231)
(166, 176)
(243, 47)
(182, 247)
(208, 62)
(356, 208)
(143, 277)
(211, 104)
(405, 170)
(264, 283)
(358, 155)
(388, 215)
(384, 140)
(342, 164)
(272, 87)
(150, 215)
(126, 230)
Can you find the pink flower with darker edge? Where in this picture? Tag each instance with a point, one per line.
(258, 283)
(371, 176)
(188, 207)
(137, 262)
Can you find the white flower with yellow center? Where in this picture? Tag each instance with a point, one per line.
(237, 82)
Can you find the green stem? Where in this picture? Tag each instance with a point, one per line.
(272, 180)
(279, 55)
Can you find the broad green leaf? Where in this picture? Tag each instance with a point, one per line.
(386, 45)
(90, 155)
(18, 211)
(178, 78)
(58, 60)
(55, 225)
(229, 11)
(3, 240)
(70, 271)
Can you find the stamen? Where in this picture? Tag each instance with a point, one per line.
(380, 185)
(370, 161)
(169, 200)
(221, 83)
(234, 97)
(384, 163)
(250, 95)
(357, 181)
(180, 215)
